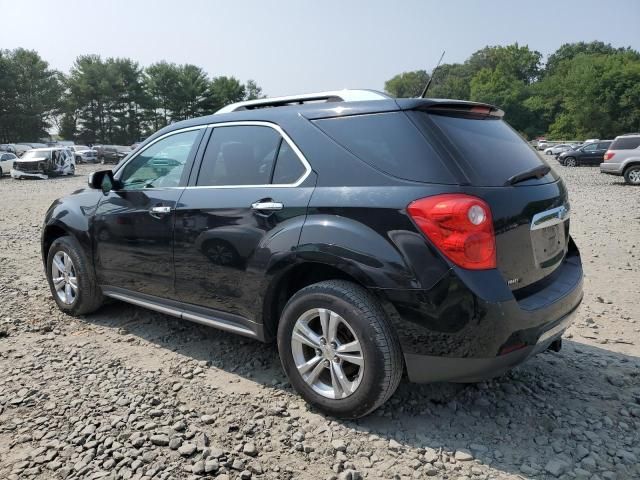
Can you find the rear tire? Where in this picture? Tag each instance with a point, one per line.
(72, 268)
(361, 348)
(632, 175)
(570, 162)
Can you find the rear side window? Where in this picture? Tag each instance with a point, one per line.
(389, 142)
(239, 155)
(625, 143)
(487, 146)
(604, 145)
(288, 166)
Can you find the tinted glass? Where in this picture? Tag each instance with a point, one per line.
(487, 146)
(289, 168)
(390, 142)
(240, 155)
(592, 147)
(625, 143)
(604, 145)
(161, 165)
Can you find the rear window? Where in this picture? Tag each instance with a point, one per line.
(389, 142)
(488, 149)
(625, 143)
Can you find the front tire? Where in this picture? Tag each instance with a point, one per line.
(71, 278)
(338, 349)
(570, 162)
(632, 175)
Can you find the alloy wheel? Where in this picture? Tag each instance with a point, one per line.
(327, 353)
(63, 276)
(634, 176)
(570, 162)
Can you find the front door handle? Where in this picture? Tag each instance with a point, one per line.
(267, 206)
(158, 212)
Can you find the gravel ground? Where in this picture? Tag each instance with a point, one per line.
(129, 393)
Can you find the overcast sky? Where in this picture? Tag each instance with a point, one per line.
(295, 46)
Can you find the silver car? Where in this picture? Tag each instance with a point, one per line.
(623, 158)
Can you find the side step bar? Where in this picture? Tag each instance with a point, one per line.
(232, 323)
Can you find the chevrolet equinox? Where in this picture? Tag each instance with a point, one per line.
(368, 236)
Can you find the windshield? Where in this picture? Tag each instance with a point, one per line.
(37, 154)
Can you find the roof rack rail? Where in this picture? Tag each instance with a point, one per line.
(332, 96)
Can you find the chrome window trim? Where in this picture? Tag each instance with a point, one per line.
(283, 134)
(240, 123)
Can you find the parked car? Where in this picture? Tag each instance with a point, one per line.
(112, 153)
(43, 163)
(364, 237)
(6, 162)
(623, 158)
(591, 140)
(84, 154)
(21, 148)
(557, 149)
(588, 154)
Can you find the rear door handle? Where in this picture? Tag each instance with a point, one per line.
(267, 206)
(158, 212)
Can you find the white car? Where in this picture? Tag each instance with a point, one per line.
(557, 149)
(43, 163)
(83, 154)
(6, 162)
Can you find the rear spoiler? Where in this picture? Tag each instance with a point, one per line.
(451, 107)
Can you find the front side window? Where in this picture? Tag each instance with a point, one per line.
(160, 165)
(239, 155)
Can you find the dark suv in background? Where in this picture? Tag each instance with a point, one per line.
(367, 235)
(588, 154)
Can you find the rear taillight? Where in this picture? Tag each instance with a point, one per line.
(460, 226)
(608, 156)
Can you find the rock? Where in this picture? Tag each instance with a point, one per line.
(175, 443)
(463, 455)
(250, 449)
(394, 445)
(179, 426)
(339, 445)
(211, 466)
(160, 440)
(198, 468)
(556, 467)
(187, 449)
(208, 419)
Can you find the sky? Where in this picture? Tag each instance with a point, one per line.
(291, 47)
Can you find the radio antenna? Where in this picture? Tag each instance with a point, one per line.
(424, 92)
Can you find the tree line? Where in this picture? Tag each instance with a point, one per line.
(584, 90)
(109, 101)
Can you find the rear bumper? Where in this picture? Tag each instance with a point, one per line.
(611, 168)
(424, 368)
(470, 326)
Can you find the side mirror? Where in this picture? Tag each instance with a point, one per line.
(102, 180)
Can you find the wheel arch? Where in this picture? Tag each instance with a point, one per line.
(283, 286)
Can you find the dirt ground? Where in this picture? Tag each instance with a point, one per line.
(129, 393)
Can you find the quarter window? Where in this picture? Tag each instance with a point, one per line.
(239, 155)
(288, 169)
(161, 165)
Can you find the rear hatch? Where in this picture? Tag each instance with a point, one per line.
(528, 201)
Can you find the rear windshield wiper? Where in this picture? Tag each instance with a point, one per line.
(536, 172)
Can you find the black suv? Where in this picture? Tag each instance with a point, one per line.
(367, 237)
(589, 154)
